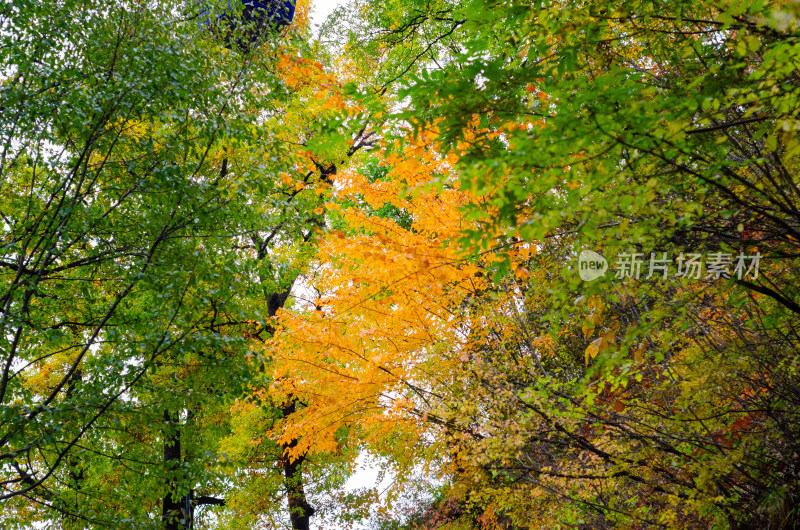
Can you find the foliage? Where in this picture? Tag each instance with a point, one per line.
(153, 214)
(229, 274)
(641, 128)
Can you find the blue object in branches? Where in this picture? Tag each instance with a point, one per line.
(244, 22)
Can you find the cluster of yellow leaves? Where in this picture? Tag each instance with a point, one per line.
(388, 325)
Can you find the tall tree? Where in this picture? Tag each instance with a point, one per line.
(640, 130)
(144, 211)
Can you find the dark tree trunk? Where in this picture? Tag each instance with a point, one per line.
(300, 511)
(74, 462)
(171, 505)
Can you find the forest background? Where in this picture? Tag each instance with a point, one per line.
(536, 259)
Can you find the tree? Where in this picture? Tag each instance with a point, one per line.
(144, 216)
(643, 128)
(179, 202)
(334, 128)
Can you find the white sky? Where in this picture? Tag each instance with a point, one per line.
(321, 9)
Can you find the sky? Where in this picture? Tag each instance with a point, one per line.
(321, 9)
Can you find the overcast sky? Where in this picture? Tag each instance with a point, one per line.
(321, 9)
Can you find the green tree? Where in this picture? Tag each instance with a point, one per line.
(142, 207)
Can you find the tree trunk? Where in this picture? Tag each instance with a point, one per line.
(300, 511)
(74, 462)
(171, 505)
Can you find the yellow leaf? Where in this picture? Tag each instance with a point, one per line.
(638, 354)
(522, 273)
(599, 345)
(597, 316)
(593, 349)
(595, 303)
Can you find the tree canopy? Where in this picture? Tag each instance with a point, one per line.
(541, 254)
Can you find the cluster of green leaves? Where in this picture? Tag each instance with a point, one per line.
(145, 236)
(642, 127)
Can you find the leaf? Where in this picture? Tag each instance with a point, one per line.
(638, 353)
(599, 345)
(593, 349)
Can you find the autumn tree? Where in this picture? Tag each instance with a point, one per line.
(646, 129)
(153, 192)
(228, 272)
